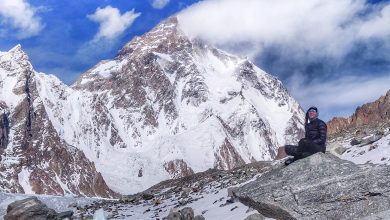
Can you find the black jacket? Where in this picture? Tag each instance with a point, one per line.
(316, 131)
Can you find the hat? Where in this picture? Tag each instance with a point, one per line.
(313, 108)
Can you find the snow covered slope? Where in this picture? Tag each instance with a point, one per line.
(168, 106)
(33, 157)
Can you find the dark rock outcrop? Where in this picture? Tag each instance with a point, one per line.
(4, 130)
(373, 113)
(31, 208)
(321, 186)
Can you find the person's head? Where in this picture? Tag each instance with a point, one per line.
(312, 113)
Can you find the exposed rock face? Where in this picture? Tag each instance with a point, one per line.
(321, 186)
(178, 168)
(35, 158)
(374, 113)
(4, 130)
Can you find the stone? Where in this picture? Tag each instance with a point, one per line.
(65, 215)
(30, 208)
(147, 196)
(321, 186)
(255, 216)
(355, 141)
(230, 191)
(187, 213)
(199, 217)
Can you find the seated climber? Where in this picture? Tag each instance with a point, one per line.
(314, 141)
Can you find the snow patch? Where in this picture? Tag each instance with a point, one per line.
(24, 181)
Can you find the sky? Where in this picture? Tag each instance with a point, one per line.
(332, 54)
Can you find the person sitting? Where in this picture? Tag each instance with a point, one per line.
(314, 141)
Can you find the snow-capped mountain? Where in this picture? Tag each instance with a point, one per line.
(165, 107)
(34, 159)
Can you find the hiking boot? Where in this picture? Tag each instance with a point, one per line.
(289, 161)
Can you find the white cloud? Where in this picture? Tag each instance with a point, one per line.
(159, 4)
(22, 16)
(112, 23)
(378, 25)
(342, 94)
(301, 31)
(309, 27)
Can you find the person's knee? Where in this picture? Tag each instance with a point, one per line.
(292, 150)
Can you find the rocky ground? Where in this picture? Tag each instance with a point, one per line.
(363, 145)
(208, 193)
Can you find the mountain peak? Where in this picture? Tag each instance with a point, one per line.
(18, 53)
(17, 57)
(164, 34)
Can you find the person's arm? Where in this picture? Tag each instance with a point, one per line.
(322, 129)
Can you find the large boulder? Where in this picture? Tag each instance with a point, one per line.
(321, 186)
(33, 209)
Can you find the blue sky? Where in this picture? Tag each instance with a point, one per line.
(334, 54)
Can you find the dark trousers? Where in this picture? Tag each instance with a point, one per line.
(304, 149)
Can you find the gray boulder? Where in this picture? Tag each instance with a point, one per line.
(186, 213)
(33, 209)
(29, 209)
(321, 186)
(255, 216)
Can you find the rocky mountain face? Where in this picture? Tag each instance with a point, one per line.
(363, 137)
(371, 114)
(34, 159)
(166, 107)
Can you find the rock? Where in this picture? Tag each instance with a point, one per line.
(336, 148)
(187, 213)
(199, 217)
(340, 150)
(30, 208)
(230, 191)
(173, 216)
(321, 186)
(128, 198)
(372, 147)
(255, 216)
(64, 215)
(147, 196)
(355, 141)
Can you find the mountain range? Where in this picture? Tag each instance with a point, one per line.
(166, 106)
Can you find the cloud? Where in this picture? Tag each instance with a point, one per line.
(343, 94)
(332, 53)
(159, 4)
(311, 27)
(112, 23)
(22, 16)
